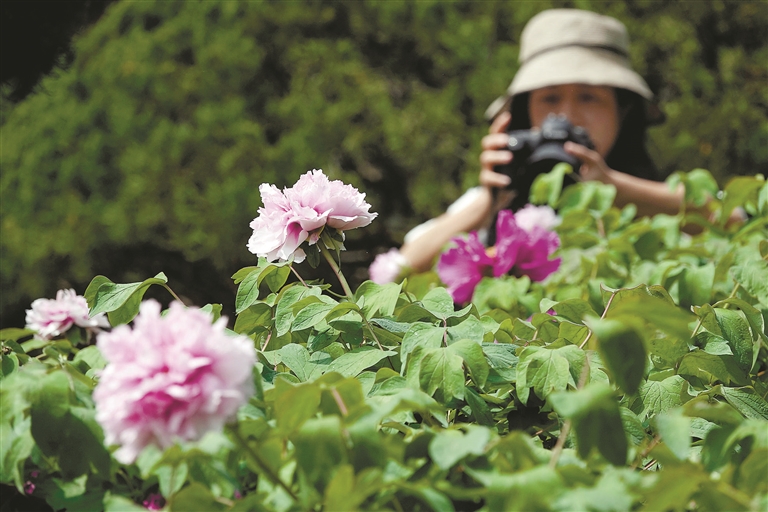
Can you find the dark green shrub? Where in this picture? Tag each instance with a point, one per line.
(147, 152)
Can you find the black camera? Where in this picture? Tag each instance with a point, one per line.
(538, 151)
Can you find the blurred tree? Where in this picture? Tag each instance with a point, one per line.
(35, 36)
(146, 153)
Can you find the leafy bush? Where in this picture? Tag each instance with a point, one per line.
(145, 154)
(634, 377)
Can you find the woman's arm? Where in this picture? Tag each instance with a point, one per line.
(650, 197)
(420, 252)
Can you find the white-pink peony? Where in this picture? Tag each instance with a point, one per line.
(52, 317)
(387, 267)
(299, 214)
(172, 377)
(531, 217)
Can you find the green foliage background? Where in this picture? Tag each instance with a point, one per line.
(147, 152)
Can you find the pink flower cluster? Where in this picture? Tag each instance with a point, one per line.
(299, 214)
(387, 267)
(52, 317)
(524, 244)
(171, 377)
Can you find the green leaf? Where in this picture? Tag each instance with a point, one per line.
(214, 310)
(289, 301)
(547, 187)
(597, 423)
(313, 314)
(379, 299)
(248, 291)
(342, 309)
(474, 359)
(674, 490)
(713, 411)
(746, 401)
(448, 447)
(695, 285)
(470, 328)
(320, 449)
(712, 368)
(751, 476)
(171, 477)
(115, 503)
(14, 334)
(257, 316)
(441, 371)
(675, 431)
(275, 275)
(92, 357)
(355, 361)
(622, 350)
(121, 301)
(738, 191)
(544, 370)
(658, 313)
(699, 185)
(93, 287)
(480, 410)
(195, 496)
(736, 331)
(753, 277)
(241, 274)
(421, 335)
(610, 493)
(661, 395)
(305, 366)
(574, 310)
(295, 404)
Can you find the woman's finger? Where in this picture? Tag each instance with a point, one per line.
(583, 153)
(500, 123)
(490, 159)
(488, 178)
(494, 141)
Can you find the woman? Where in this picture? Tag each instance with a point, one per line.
(573, 63)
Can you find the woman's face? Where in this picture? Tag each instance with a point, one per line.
(593, 107)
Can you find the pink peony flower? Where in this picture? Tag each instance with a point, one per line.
(53, 317)
(463, 266)
(300, 213)
(524, 252)
(531, 216)
(520, 250)
(387, 267)
(171, 377)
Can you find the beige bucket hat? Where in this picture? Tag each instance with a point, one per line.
(566, 46)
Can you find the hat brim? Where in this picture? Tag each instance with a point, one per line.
(576, 65)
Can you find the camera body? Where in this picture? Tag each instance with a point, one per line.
(538, 151)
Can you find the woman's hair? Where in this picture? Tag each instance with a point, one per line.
(629, 153)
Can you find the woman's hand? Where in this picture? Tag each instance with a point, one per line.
(494, 155)
(593, 166)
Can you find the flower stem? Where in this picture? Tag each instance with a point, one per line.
(174, 294)
(297, 275)
(336, 270)
(263, 465)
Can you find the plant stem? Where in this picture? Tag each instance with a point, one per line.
(274, 478)
(174, 294)
(298, 276)
(329, 258)
(558, 449)
(589, 335)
